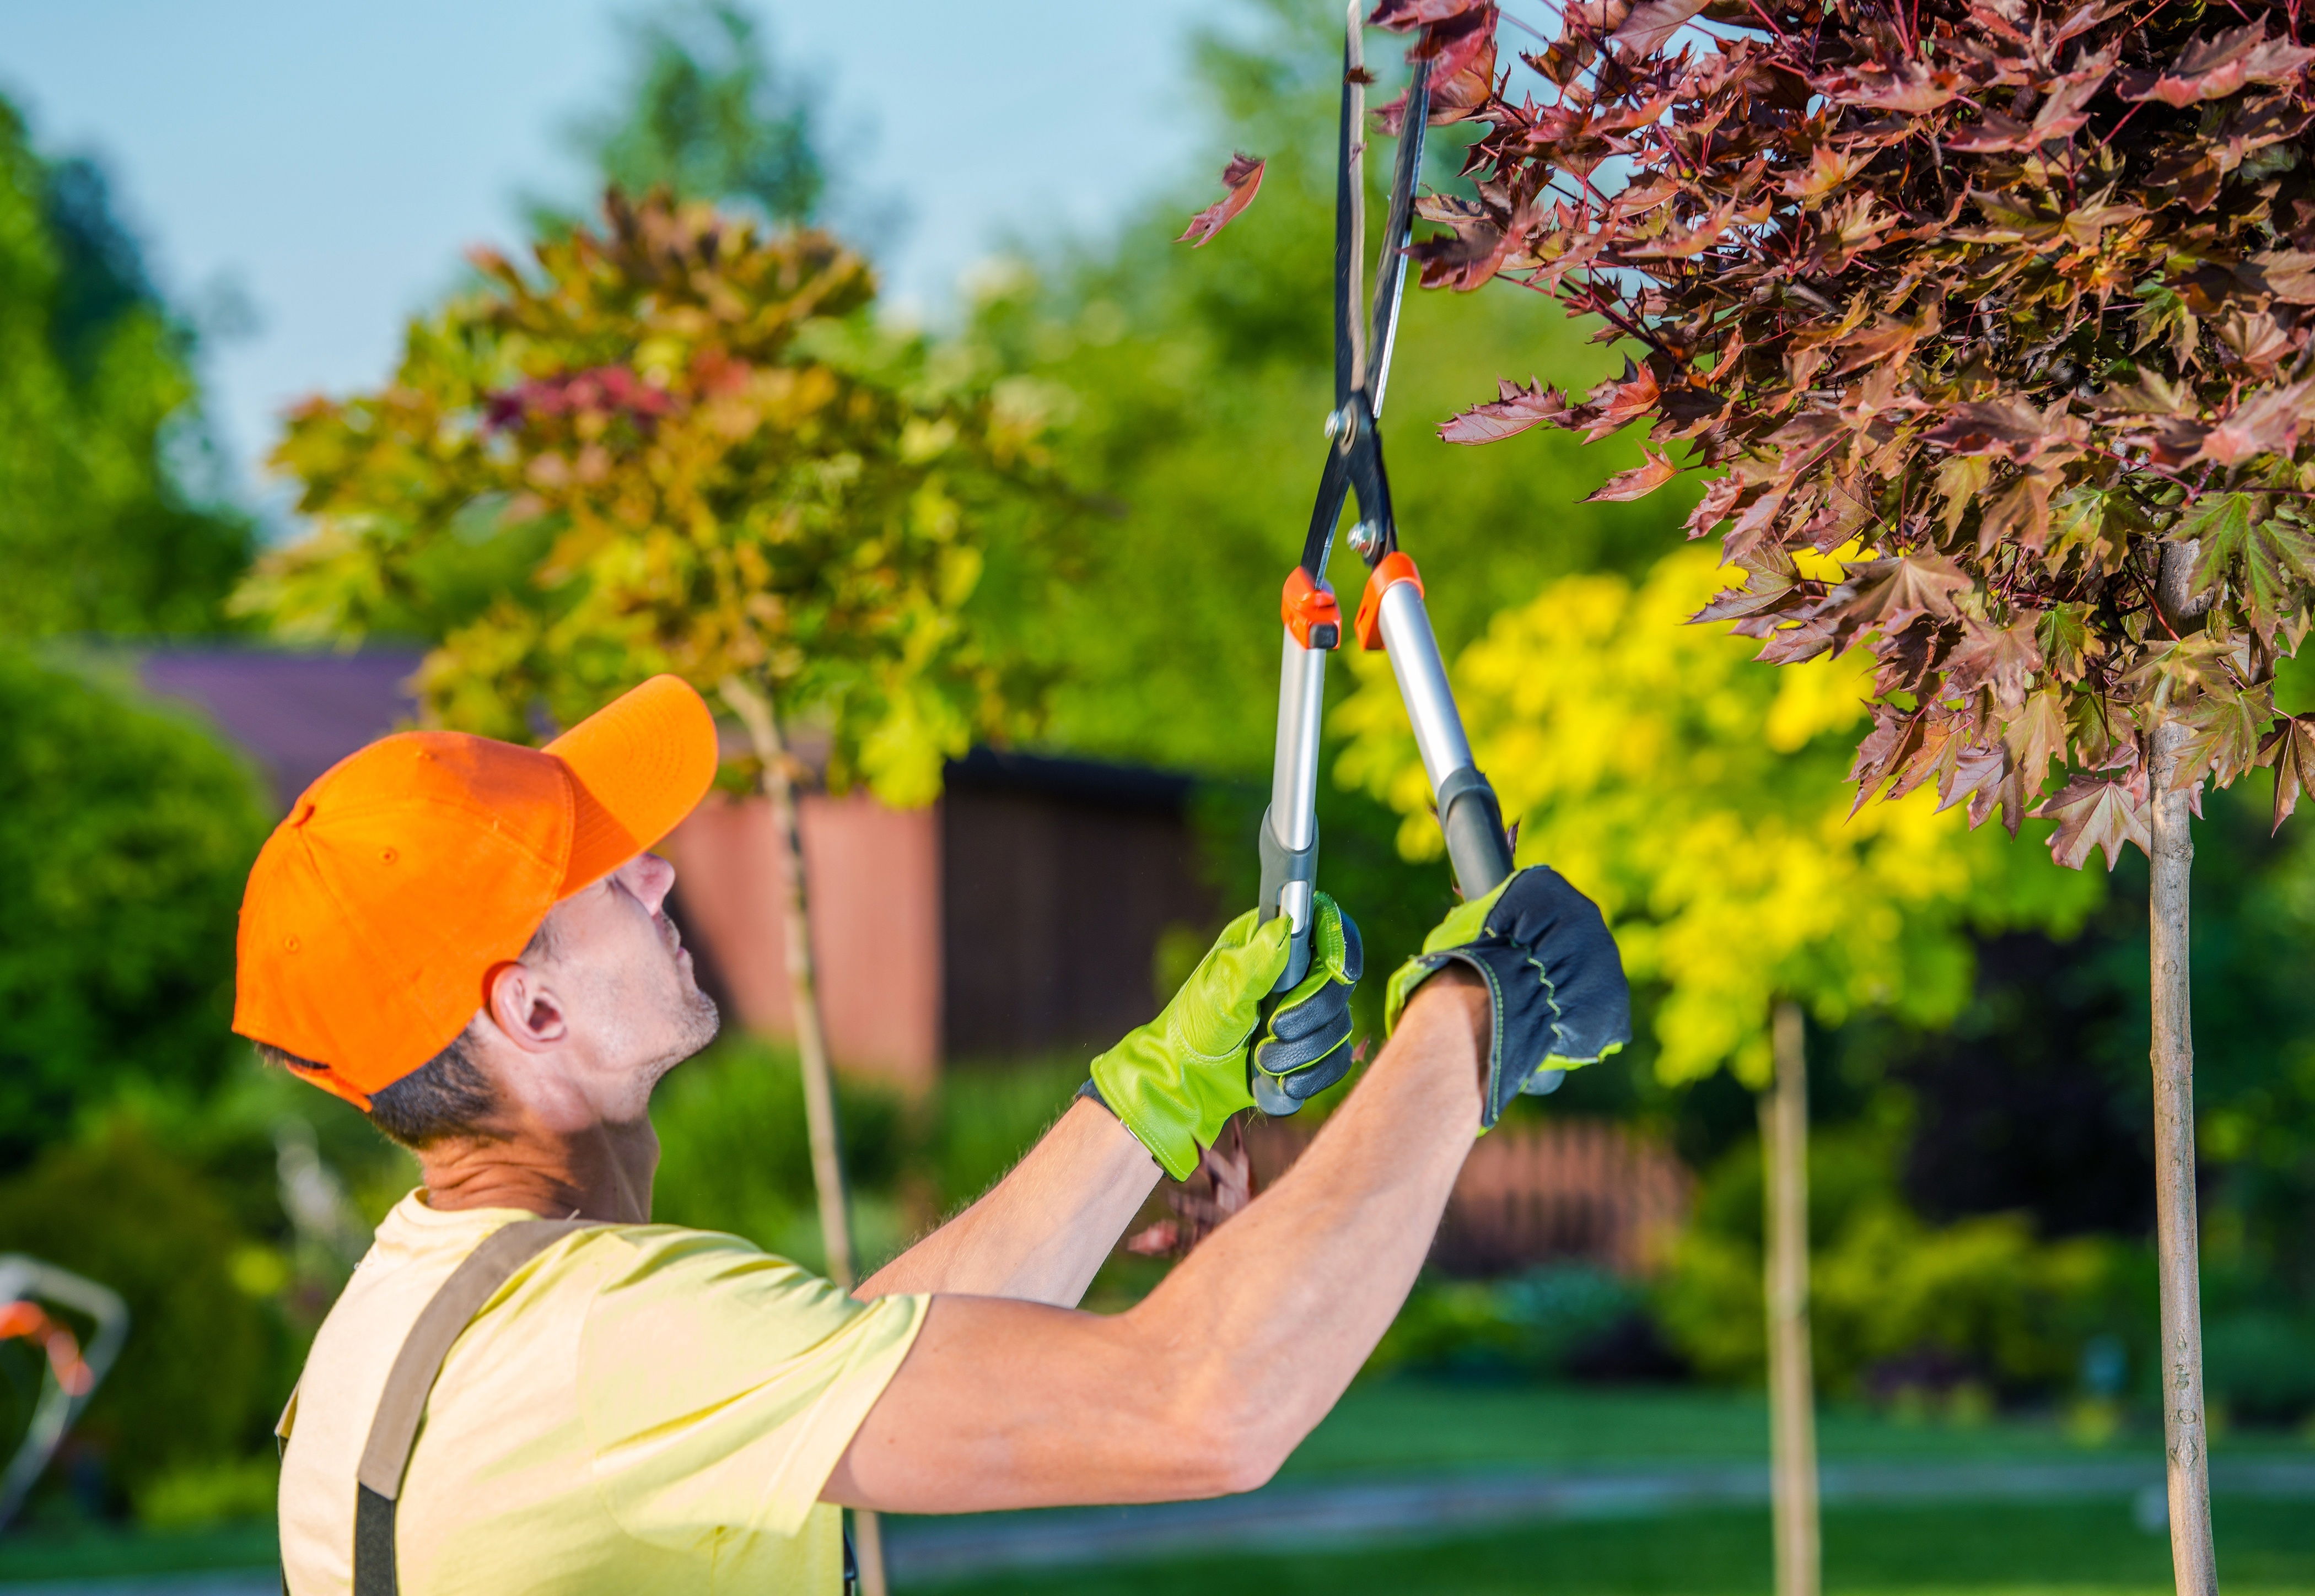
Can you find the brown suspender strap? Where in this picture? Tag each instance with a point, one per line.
(394, 1430)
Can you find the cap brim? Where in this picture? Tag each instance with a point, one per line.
(639, 765)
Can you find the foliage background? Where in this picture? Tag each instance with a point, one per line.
(1983, 1230)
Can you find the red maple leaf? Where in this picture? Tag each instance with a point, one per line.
(2214, 68)
(1638, 483)
(1518, 409)
(2098, 810)
(2290, 748)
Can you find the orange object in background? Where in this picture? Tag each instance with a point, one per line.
(27, 1321)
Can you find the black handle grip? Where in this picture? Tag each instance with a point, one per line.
(1473, 822)
(1280, 867)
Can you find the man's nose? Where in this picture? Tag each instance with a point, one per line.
(648, 878)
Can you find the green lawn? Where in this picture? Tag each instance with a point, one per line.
(1411, 1426)
(39, 1552)
(2074, 1548)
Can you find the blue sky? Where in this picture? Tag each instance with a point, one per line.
(325, 162)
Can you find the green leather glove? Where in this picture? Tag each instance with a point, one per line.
(1555, 980)
(1176, 1081)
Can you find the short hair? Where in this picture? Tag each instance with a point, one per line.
(447, 1098)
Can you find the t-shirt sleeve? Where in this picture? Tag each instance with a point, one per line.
(720, 1385)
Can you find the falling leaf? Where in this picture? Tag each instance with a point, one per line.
(1243, 180)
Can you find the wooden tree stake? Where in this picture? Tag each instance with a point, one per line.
(1792, 1404)
(2185, 1439)
(777, 785)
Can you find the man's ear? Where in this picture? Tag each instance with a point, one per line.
(523, 1007)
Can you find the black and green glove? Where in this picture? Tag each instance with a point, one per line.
(1305, 1034)
(1554, 977)
(1176, 1081)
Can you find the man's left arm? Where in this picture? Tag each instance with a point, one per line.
(1167, 1090)
(1041, 1232)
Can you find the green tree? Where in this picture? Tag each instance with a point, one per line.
(125, 834)
(1703, 801)
(97, 398)
(2009, 300)
(707, 115)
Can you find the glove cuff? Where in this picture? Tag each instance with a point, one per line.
(1167, 1124)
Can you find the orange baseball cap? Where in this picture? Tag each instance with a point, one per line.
(410, 870)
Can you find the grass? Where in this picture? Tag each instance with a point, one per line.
(1413, 1426)
(1406, 1426)
(91, 1551)
(2072, 1548)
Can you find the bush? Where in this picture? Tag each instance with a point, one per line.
(1561, 1320)
(981, 1121)
(125, 835)
(206, 1366)
(735, 1155)
(1896, 1304)
(212, 1492)
(2261, 1364)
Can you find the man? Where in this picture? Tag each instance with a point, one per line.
(466, 939)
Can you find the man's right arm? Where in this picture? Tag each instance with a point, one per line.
(1207, 1384)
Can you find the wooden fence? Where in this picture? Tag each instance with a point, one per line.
(1566, 1189)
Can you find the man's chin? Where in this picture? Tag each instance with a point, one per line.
(703, 1023)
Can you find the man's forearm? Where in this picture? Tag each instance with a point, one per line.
(1041, 1232)
(1210, 1382)
(1293, 1294)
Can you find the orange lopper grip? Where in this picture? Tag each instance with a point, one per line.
(1395, 568)
(1310, 612)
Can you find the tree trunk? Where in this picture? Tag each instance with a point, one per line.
(777, 783)
(2192, 1560)
(1792, 1398)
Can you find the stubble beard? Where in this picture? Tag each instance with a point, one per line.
(698, 1021)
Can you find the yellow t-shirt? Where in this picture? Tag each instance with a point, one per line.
(641, 1408)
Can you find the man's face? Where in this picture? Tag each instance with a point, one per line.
(619, 966)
